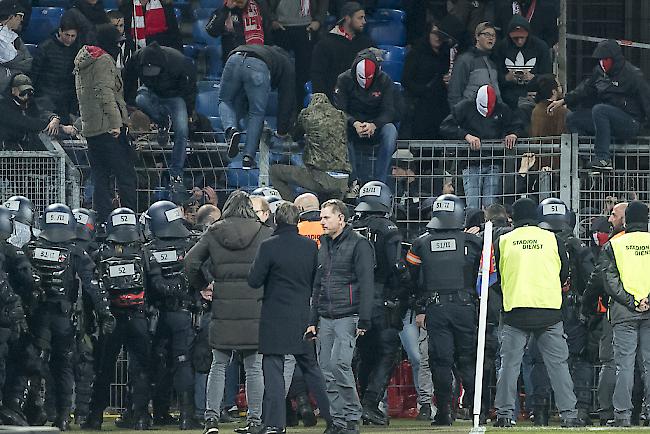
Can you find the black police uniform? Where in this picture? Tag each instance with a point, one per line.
(121, 270)
(169, 292)
(58, 265)
(445, 266)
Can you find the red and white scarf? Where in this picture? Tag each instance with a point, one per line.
(147, 21)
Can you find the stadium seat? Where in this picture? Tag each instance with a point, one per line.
(42, 23)
(308, 93)
(207, 102)
(386, 27)
(191, 51)
(390, 4)
(211, 4)
(179, 14)
(237, 177)
(215, 123)
(207, 85)
(214, 64)
(65, 4)
(393, 53)
(203, 13)
(31, 48)
(200, 35)
(111, 4)
(393, 69)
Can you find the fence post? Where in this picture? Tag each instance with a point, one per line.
(263, 179)
(69, 173)
(565, 168)
(575, 179)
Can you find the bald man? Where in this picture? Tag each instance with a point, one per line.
(307, 202)
(617, 219)
(309, 222)
(207, 214)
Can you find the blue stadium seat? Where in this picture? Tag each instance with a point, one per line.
(393, 53)
(390, 4)
(386, 27)
(393, 69)
(207, 102)
(191, 51)
(238, 178)
(65, 4)
(215, 123)
(308, 93)
(330, 21)
(207, 85)
(200, 35)
(31, 48)
(202, 13)
(179, 14)
(213, 61)
(43, 22)
(111, 4)
(211, 4)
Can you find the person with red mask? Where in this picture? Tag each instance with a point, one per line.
(485, 118)
(623, 103)
(367, 96)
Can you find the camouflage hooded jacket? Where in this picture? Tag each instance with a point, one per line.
(325, 130)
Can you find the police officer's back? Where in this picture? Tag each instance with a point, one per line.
(444, 262)
(379, 347)
(169, 291)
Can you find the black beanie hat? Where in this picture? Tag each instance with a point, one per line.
(524, 212)
(636, 212)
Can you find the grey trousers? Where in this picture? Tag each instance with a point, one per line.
(555, 352)
(217, 382)
(607, 377)
(628, 337)
(335, 347)
(284, 178)
(425, 383)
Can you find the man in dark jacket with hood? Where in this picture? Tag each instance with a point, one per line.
(520, 57)
(541, 14)
(483, 118)
(230, 245)
(623, 97)
(367, 95)
(250, 73)
(52, 70)
(334, 53)
(167, 91)
(626, 266)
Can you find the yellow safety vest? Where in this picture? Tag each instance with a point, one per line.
(632, 254)
(529, 266)
(313, 230)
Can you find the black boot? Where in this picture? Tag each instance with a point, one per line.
(125, 420)
(35, 411)
(62, 421)
(93, 421)
(187, 420)
(541, 415)
(425, 412)
(371, 414)
(12, 412)
(292, 415)
(444, 416)
(305, 411)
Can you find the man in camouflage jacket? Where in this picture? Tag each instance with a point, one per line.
(325, 156)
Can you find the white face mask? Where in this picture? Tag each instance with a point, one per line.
(21, 236)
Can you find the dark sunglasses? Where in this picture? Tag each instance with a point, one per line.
(27, 92)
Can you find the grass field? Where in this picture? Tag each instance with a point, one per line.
(396, 426)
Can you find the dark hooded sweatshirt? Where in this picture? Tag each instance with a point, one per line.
(623, 86)
(534, 56)
(20, 125)
(375, 104)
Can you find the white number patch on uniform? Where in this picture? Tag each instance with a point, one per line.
(444, 205)
(166, 256)
(121, 270)
(443, 245)
(173, 214)
(374, 190)
(57, 218)
(554, 209)
(49, 255)
(123, 219)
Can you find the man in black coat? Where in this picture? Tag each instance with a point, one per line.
(623, 106)
(287, 280)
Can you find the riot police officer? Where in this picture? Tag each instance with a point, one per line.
(169, 292)
(12, 317)
(379, 347)
(121, 273)
(556, 217)
(84, 320)
(444, 264)
(58, 262)
(22, 213)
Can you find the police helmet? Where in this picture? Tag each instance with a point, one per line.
(266, 192)
(6, 223)
(22, 209)
(274, 202)
(448, 212)
(553, 215)
(165, 220)
(86, 221)
(58, 224)
(374, 196)
(122, 226)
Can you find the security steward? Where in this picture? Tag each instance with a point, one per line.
(121, 273)
(532, 265)
(556, 217)
(58, 262)
(444, 264)
(379, 348)
(12, 316)
(85, 325)
(169, 292)
(309, 219)
(626, 263)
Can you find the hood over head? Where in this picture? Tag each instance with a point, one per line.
(486, 100)
(236, 233)
(87, 56)
(518, 25)
(365, 68)
(610, 56)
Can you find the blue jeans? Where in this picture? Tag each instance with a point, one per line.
(158, 109)
(481, 184)
(360, 153)
(603, 121)
(250, 77)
